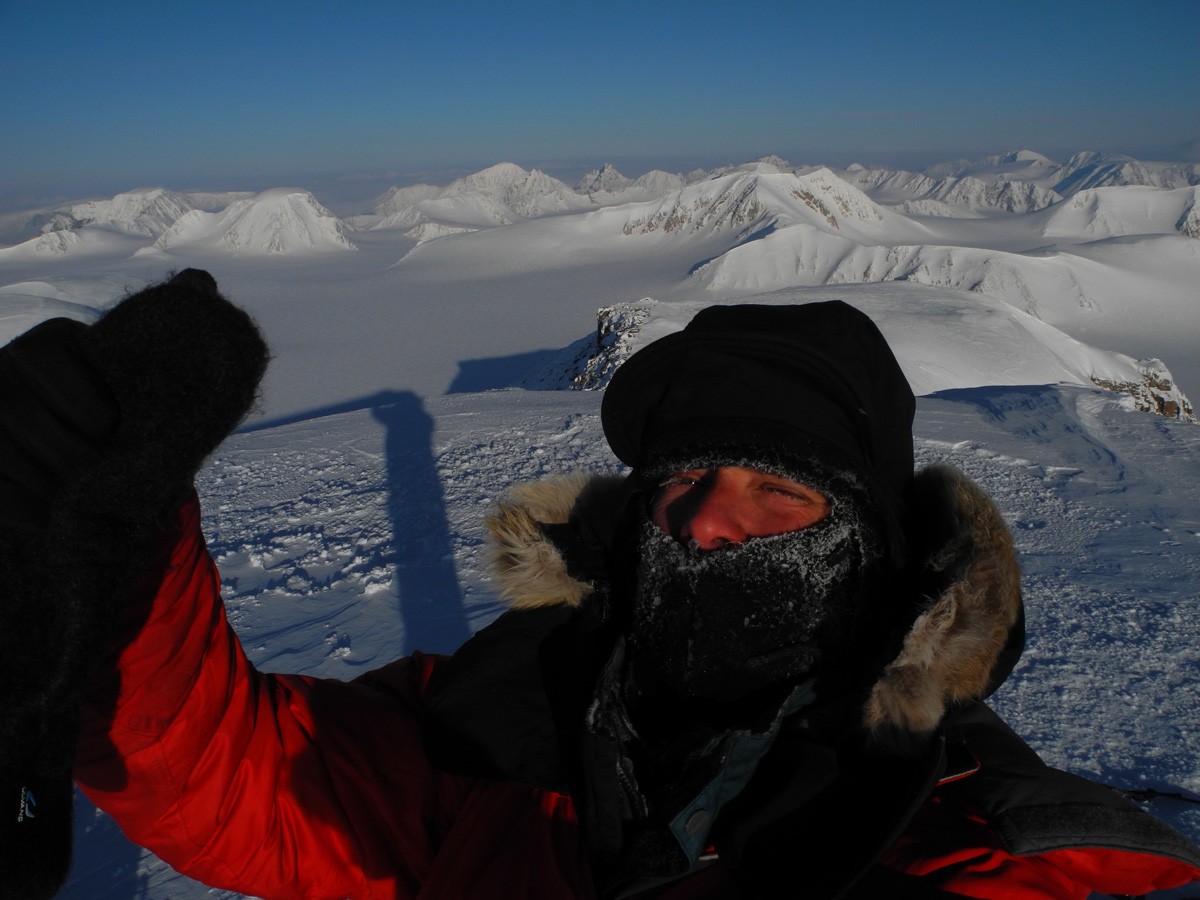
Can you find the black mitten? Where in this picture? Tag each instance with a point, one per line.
(55, 415)
(102, 430)
(184, 365)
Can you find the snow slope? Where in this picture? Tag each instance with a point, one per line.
(608, 187)
(1087, 169)
(746, 202)
(979, 341)
(963, 196)
(499, 195)
(147, 212)
(1023, 165)
(277, 221)
(25, 304)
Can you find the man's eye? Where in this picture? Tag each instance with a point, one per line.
(671, 483)
(790, 493)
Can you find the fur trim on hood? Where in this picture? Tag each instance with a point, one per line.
(955, 650)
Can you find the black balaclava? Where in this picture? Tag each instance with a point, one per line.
(815, 381)
(721, 624)
(810, 392)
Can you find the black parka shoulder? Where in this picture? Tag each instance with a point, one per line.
(926, 761)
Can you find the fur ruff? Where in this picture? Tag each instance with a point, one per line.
(950, 651)
(532, 572)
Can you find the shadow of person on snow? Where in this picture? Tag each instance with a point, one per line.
(429, 600)
(106, 865)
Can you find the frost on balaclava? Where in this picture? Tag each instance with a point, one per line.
(720, 624)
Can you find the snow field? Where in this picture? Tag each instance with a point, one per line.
(1104, 507)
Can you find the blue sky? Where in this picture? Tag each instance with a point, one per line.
(101, 97)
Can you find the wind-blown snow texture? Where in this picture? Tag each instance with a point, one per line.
(347, 517)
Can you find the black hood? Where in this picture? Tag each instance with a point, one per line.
(817, 379)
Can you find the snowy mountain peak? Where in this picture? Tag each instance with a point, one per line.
(1022, 346)
(656, 180)
(528, 194)
(747, 200)
(1084, 170)
(146, 211)
(831, 197)
(760, 167)
(498, 177)
(950, 195)
(398, 199)
(608, 187)
(605, 179)
(728, 202)
(1092, 170)
(1026, 156)
(277, 221)
(776, 162)
(498, 195)
(1019, 165)
(1091, 157)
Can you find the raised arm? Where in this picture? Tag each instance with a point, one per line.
(276, 786)
(273, 785)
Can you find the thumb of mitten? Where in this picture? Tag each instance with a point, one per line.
(184, 365)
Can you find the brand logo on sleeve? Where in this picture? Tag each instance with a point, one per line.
(28, 805)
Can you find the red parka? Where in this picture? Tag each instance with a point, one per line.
(288, 787)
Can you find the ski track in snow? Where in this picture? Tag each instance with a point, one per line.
(348, 540)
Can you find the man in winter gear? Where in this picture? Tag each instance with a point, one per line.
(596, 741)
(824, 409)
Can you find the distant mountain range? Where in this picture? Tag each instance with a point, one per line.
(293, 221)
(274, 221)
(1102, 248)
